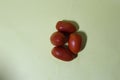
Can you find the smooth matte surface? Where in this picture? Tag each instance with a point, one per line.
(25, 48)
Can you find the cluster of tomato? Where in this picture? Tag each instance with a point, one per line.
(67, 41)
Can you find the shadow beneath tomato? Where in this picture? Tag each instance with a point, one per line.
(73, 22)
(84, 38)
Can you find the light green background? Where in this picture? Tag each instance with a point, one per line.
(25, 49)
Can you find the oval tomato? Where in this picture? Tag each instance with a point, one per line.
(75, 42)
(58, 39)
(65, 26)
(63, 53)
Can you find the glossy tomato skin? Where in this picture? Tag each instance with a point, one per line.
(75, 42)
(58, 39)
(65, 26)
(63, 53)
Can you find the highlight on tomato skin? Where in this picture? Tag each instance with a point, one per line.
(65, 26)
(75, 42)
(58, 39)
(63, 53)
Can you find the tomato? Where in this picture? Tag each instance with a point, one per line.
(58, 39)
(65, 26)
(75, 42)
(63, 53)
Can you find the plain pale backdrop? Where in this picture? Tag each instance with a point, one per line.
(25, 49)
